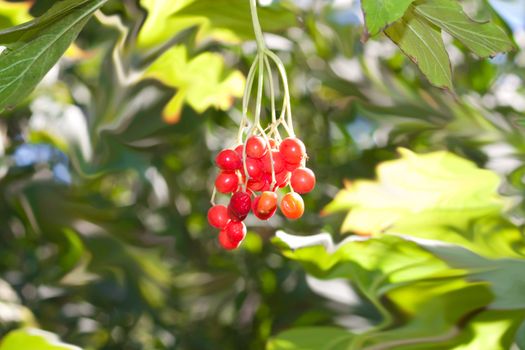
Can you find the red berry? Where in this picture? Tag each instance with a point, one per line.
(254, 167)
(278, 162)
(218, 216)
(292, 205)
(226, 182)
(291, 166)
(281, 179)
(225, 241)
(240, 205)
(266, 186)
(236, 231)
(272, 143)
(256, 185)
(256, 147)
(302, 180)
(228, 159)
(239, 150)
(266, 205)
(292, 150)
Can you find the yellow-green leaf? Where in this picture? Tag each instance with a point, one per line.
(202, 81)
(12, 14)
(415, 185)
(226, 20)
(33, 339)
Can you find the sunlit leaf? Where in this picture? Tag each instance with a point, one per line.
(34, 339)
(202, 81)
(12, 14)
(414, 185)
(228, 20)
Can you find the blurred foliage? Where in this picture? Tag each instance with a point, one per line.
(103, 232)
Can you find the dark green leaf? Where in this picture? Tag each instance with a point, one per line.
(28, 30)
(22, 68)
(484, 39)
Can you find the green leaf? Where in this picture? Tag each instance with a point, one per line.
(33, 339)
(419, 296)
(506, 276)
(23, 66)
(438, 183)
(423, 44)
(24, 32)
(311, 338)
(201, 81)
(381, 13)
(484, 39)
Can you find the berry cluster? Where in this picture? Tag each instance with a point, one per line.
(259, 166)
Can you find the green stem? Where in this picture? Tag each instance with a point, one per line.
(288, 124)
(257, 26)
(246, 99)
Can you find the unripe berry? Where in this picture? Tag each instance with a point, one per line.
(292, 205)
(265, 205)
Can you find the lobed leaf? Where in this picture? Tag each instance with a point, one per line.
(201, 81)
(438, 183)
(484, 39)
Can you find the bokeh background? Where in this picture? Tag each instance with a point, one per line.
(106, 171)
